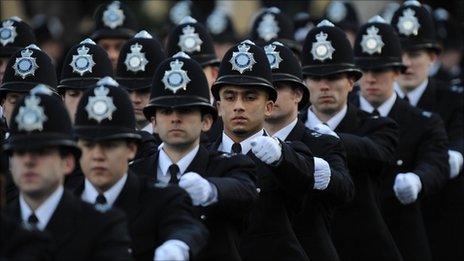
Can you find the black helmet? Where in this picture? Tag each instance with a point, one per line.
(327, 51)
(14, 35)
(415, 27)
(179, 82)
(286, 68)
(377, 46)
(27, 68)
(193, 39)
(138, 60)
(303, 23)
(245, 64)
(39, 120)
(449, 33)
(273, 25)
(114, 20)
(84, 65)
(343, 15)
(221, 27)
(105, 112)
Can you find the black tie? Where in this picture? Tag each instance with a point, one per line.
(406, 99)
(100, 199)
(173, 170)
(33, 220)
(375, 112)
(237, 148)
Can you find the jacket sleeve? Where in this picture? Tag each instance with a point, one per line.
(374, 148)
(432, 157)
(179, 222)
(235, 182)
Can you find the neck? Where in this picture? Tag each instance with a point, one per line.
(35, 200)
(239, 137)
(141, 124)
(176, 153)
(274, 125)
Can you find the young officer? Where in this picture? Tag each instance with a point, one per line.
(161, 222)
(415, 27)
(420, 167)
(245, 97)
(333, 185)
(221, 185)
(370, 142)
(42, 152)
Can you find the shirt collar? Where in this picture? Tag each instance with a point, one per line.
(90, 193)
(313, 120)
(414, 95)
(45, 211)
(283, 133)
(148, 128)
(227, 142)
(165, 162)
(383, 109)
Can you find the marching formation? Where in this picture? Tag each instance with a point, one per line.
(327, 142)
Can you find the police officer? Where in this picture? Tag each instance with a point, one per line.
(25, 69)
(220, 185)
(161, 222)
(42, 152)
(414, 25)
(114, 25)
(332, 182)
(344, 15)
(420, 167)
(137, 63)
(245, 96)
(222, 31)
(274, 25)
(193, 39)
(14, 35)
(84, 65)
(370, 142)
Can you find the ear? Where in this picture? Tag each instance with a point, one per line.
(206, 122)
(351, 83)
(298, 94)
(268, 108)
(153, 123)
(433, 56)
(214, 72)
(131, 150)
(69, 163)
(218, 107)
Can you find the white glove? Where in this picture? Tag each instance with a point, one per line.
(455, 162)
(172, 249)
(407, 186)
(324, 129)
(267, 149)
(197, 187)
(321, 173)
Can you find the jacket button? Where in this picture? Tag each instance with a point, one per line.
(203, 217)
(258, 190)
(399, 162)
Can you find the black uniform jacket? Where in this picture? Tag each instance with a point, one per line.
(359, 230)
(234, 177)
(282, 191)
(80, 232)
(312, 225)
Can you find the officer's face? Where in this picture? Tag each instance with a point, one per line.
(418, 64)
(3, 63)
(180, 128)
(113, 47)
(140, 99)
(105, 162)
(286, 105)
(38, 173)
(329, 94)
(71, 99)
(377, 85)
(243, 110)
(9, 103)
